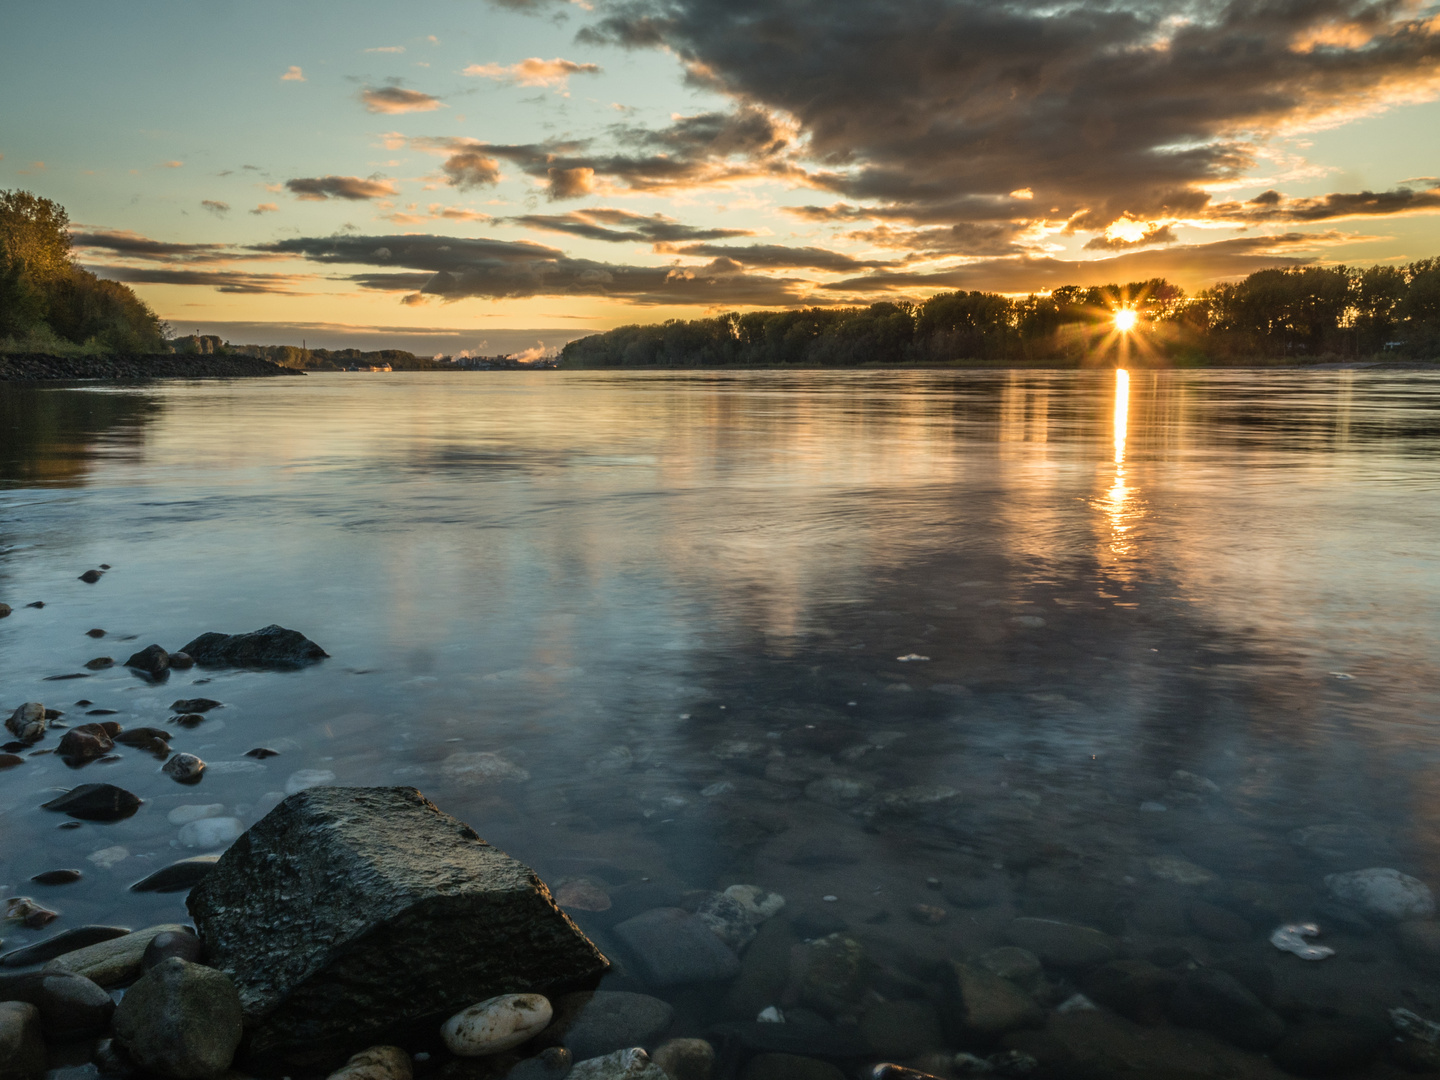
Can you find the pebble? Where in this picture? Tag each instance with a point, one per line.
(685, 1059)
(108, 857)
(95, 802)
(727, 919)
(1019, 966)
(27, 911)
(184, 768)
(771, 1014)
(1179, 871)
(162, 947)
(27, 723)
(496, 1024)
(308, 778)
(194, 705)
(1291, 938)
(71, 1006)
(152, 661)
(928, 914)
(673, 947)
(178, 875)
(582, 894)
(550, 1064)
(591, 1023)
(986, 1006)
(830, 975)
(476, 768)
(759, 904)
(60, 944)
(631, 1064)
(1384, 893)
(113, 962)
(180, 1020)
(839, 790)
(22, 1047)
(100, 663)
(95, 633)
(211, 833)
(57, 877)
(5, 610)
(183, 815)
(1063, 944)
(262, 752)
(376, 1063)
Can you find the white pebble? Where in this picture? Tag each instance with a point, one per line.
(308, 778)
(1291, 938)
(105, 858)
(183, 815)
(496, 1024)
(759, 904)
(770, 1015)
(212, 832)
(1383, 892)
(829, 899)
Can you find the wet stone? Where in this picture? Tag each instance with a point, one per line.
(685, 1059)
(90, 577)
(151, 660)
(95, 802)
(1335, 1047)
(28, 722)
(673, 947)
(24, 910)
(1136, 989)
(57, 877)
(496, 1024)
(100, 663)
(184, 768)
(113, 962)
(1216, 1001)
(1063, 944)
(727, 919)
(553, 1063)
(631, 1064)
(60, 944)
(194, 705)
(84, 743)
(272, 646)
(376, 1063)
(1018, 965)
(590, 1024)
(830, 974)
(181, 1021)
(178, 875)
(984, 1006)
(72, 1007)
(162, 947)
(22, 1046)
(1383, 893)
(209, 833)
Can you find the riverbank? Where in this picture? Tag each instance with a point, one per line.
(31, 367)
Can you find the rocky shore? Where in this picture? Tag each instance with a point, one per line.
(25, 367)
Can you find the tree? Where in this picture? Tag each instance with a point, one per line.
(34, 234)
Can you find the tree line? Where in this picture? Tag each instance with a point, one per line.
(50, 304)
(1303, 314)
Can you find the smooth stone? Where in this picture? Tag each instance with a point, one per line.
(27, 723)
(727, 919)
(146, 738)
(184, 768)
(178, 875)
(27, 911)
(5, 610)
(262, 752)
(985, 1006)
(114, 962)
(60, 944)
(22, 1046)
(84, 743)
(685, 1059)
(100, 663)
(57, 877)
(1063, 944)
(590, 1024)
(759, 904)
(211, 832)
(1217, 1002)
(73, 1007)
(90, 577)
(181, 660)
(292, 912)
(1180, 871)
(789, 1067)
(181, 1021)
(9, 761)
(95, 802)
(151, 660)
(830, 974)
(272, 646)
(631, 1064)
(582, 894)
(1136, 989)
(839, 790)
(764, 972)
(376, 1063)
(673, 947)
(162, 947)
(1330, 1047)
(1019, 966)
(496, 1024)
(1218, 924)
(183, 815)
(553, 1063)
(1384, 893)
(308, 778)
(194, 705)
(902, 1029)
(482, 767)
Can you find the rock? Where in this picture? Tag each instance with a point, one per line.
(151, 660)
(194, 704)
(211, 833)
(269, 647)
(57, 877)
(162, 947)
(632, 1064)
(981, 1005)
(582, 894)
(84, 743)
(27, 911)
(145, 738)
(183, 815)
(1416, 1055)
(95, 802)
(1063, 944)
(178, 875)
(758, 904)
(496, 1024)
(1136, 989)
(189, 720)
(1383, 893)
(1019, 966)
(184, 768)
(5, 610)
(551, 1064)
(1217, 1002)
(181, 1021)
(113, 962)
(72, 1007)
(764, 972)
(901, 1029)
(100, 663)
(927, 914)
(685, 1059)
(95, 632)
(376, 1063)
(1218, 924)
(1336, 1047)
(60, 944)
(292, 910)
(28, 722)
(9, 761)
(673, 947)
(22, 1047)
(1180, 871)
(262, 752)
(90, 577)
(830, 974)
(727, 919)
(790, 1067)
(590, 1024)
(181, 661)
(1193, 783)
(308, 778)
(839, 790)
(481, 768)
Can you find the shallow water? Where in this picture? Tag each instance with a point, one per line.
(638, 589)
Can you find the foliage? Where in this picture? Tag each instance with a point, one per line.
(46, 299)
(1308, 313)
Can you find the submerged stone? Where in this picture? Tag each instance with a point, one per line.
(271, 646)
(352, 916)
(180, 1021)
(1384, 893)
(95, 802)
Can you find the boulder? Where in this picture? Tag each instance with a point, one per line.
(353, 916)
(181, 1021)
(28, 722)
(113, 962)
(376, 1063)
(22, 1048)
(152, 661)
(95, 802)
(269, 647)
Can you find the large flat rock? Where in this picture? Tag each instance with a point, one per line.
(350, 916)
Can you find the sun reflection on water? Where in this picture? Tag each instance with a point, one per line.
(1120, 508)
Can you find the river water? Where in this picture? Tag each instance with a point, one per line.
(834, 634)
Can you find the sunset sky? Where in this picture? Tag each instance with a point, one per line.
(450, 175)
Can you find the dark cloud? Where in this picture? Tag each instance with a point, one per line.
(620, 226)
(1272, 206)
(778, 256)
(215, 206)
(1159, 234)
(451, 268)
(471, 169)
(396, 99)
(225, 281)
(132, 245)
(935, 109)
(340, 187)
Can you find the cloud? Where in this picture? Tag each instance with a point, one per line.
(387, 49)
(471, 169)
(935, 112)
(1150, 234)
(571, 183)
(621, 226)
(215, 206)
(451, 268)
(1272, 206)
(396, 99)
(352, 188)
(293, 74)
(131, 245)
(174, 165)
(533, 72)
(773, 256)
(225, 281)
(265, 208)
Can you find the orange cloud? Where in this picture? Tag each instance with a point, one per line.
(395, 99)
(534, 71)
(293, 74)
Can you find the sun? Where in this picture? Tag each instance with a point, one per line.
(1125, 320)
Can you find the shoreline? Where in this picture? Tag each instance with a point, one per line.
(40, 367)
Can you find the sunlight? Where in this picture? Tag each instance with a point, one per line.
(1125, 320)
(1122, 412)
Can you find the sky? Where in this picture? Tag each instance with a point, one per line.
(496, 175)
